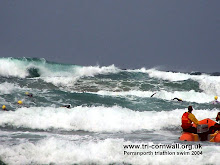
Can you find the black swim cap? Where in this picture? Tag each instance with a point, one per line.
(190, 108)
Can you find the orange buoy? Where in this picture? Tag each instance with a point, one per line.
(216, 138)
(186, 136)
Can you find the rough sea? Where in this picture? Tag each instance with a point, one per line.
(112, 120)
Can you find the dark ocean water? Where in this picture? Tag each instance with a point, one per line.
(110, 108)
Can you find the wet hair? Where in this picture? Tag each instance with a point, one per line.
(190, 108)
(217, 119)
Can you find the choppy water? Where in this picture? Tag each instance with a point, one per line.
(110, 108)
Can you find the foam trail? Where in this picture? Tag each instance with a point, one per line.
(127, 93)
(190, 96)
(96, 119)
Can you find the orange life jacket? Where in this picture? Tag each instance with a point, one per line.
(186, 122)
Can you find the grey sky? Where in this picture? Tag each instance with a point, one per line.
(179, 35)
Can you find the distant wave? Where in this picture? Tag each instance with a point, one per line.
(208, 83)
(66, 75)
(30, 67)
(33, 67)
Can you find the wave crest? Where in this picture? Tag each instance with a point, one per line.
(96, 119)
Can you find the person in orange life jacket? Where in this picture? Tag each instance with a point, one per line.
(216, 127)
(187, 120)
(218, 118)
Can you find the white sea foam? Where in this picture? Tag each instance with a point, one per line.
(6, 88)
(71, 77)
(190, 96)
(94, 70)
(10, 67)
(126, 93)
(19, 68)
(108, 151)
(171, 76)
(57, 74)
(209, 84)
(96, 119)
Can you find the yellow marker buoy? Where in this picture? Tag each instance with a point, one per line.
(20, 102)
(3, 107)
